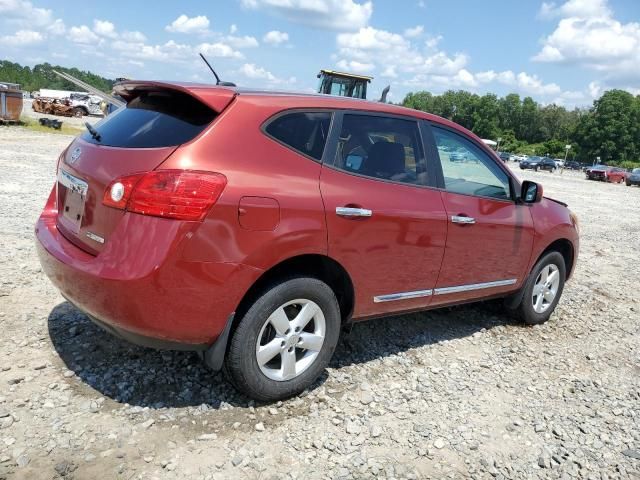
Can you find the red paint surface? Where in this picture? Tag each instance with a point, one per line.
(180, 280)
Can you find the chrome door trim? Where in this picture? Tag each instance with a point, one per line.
(353, 212)
(73, 183)
(462, 220)
(474, 286)
(402, 296)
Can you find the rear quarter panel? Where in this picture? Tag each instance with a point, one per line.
(271, 174)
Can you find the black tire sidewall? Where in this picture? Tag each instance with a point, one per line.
(241, 364)
(527, 313)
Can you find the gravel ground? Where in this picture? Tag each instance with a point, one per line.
(460, 393)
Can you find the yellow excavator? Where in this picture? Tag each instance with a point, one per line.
(346, 85)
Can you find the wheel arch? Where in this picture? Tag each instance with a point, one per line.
(565, 247)
(317, 266)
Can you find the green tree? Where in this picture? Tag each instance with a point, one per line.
(611, 129)
(42, 76)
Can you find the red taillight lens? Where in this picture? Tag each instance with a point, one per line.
(178, 194)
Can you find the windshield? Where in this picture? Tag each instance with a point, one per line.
(636, 170)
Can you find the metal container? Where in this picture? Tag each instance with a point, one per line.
(11, 100)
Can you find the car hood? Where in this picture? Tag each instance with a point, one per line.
(556, 201)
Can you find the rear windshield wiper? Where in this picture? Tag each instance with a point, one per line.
(94, 133)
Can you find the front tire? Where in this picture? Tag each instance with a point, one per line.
(285, 339)
(543, 289)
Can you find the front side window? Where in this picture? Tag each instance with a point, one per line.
(305, 132)
(384, 148)
(469, 170)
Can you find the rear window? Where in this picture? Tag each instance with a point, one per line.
(305, 132)
(154, 119)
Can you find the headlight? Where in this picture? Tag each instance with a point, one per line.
(574, 220)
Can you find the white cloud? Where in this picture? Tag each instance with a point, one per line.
(522, 82)
(218, 49)
(104, 28)
(233, 28)
(342, 15)
(134, 36)
(25, 11)
(252, 71)
(185, 24)
(275, 37)
(414, 31)
(22, 38)
(261, 76)
(241, 42)
(576, 8)
(355, 66)
(170, 51)
(419, 64)
(387, 49)
(57, 27)
(588, 35)
(82, 34)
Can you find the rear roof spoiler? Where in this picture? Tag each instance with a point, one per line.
(216, 98)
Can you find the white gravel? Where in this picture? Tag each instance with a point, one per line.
(459, 393)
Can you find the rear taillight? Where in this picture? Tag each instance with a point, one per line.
(178, 194)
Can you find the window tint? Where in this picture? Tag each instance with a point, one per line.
(154, 119)
(303, 131)
(467, 169)
(381, 147)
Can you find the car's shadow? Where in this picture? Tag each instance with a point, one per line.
(158, 379)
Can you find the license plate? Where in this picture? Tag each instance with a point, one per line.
(75, 196)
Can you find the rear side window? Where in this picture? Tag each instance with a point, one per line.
(305, 132)
(154, 119)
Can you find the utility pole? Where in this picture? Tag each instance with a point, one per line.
(566, 153)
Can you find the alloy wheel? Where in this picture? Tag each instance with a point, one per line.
(290, 339)
(546, 288)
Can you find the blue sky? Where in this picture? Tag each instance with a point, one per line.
(567, 51)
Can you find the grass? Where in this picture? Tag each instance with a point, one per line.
(34, 125)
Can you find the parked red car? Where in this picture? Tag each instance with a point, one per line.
(617, 175)
(252, 226)
(606, 174)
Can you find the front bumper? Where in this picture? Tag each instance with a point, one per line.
(139, 288)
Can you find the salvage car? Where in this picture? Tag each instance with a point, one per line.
(598, 172)
(633, 178)
(252, 226)
(617, 175)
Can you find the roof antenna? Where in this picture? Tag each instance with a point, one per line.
(218, 81)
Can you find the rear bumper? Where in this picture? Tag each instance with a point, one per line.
(139, 288)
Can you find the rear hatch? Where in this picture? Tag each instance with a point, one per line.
(158, 119)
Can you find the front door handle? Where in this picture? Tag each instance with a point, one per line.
(351, 212)
(463, 219)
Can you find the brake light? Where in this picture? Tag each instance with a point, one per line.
(178, 194)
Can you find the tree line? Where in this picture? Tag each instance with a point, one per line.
(42, 76)
(610, 129)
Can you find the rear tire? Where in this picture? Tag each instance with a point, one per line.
(266, 359)
(541, 296)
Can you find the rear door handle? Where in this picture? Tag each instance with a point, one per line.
(351, 212)
(462, 219)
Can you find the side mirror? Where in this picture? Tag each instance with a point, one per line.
(531, 192)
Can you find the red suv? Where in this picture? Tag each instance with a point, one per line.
(251, 226)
